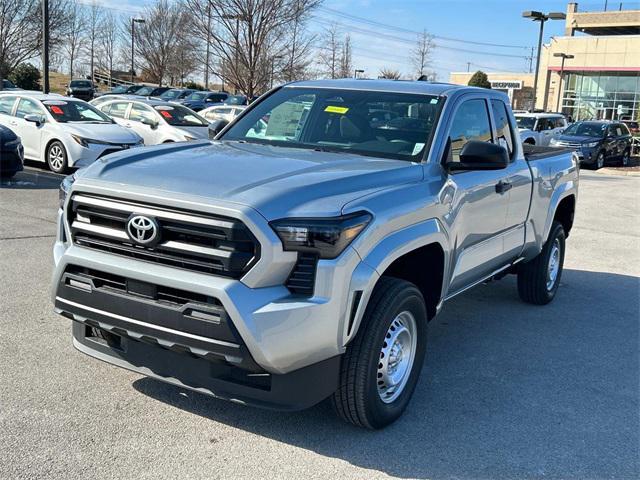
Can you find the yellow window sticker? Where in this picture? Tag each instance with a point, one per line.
(334, 109)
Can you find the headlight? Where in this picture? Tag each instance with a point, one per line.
(85, 142)
(65, 186)
(328, 237)
(591, 144)
(553, 141)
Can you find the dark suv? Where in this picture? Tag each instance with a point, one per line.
(597, 142)
(82, 89)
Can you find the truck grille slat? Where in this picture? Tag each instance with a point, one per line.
(302, 278)
(192, 241)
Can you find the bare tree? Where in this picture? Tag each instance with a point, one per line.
(95, 16)
(107, 43)
(21, 30)
(74, 35)
(346, 62)
(247, 35)
(157, 38)
(297, 56)
(422, 53)
(390, 73)
(330, 51)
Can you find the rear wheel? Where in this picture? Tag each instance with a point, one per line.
(57, 157)
(538, 279)
(381, 366)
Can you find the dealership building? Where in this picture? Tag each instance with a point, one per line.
(600, 77)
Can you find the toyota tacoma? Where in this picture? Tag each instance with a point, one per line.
(299, 255)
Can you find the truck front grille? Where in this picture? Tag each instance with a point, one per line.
(302, 279)
(193, 241)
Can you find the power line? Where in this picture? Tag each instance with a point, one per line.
(406, 41)
(414, 32)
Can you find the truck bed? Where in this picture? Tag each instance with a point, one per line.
(535, 152)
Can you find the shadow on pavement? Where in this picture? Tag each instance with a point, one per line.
(508, 390)
(32, 180)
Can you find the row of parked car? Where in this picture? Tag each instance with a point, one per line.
(597, 142)
(68, 132)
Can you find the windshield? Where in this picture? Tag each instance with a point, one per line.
(582, 129)
(197, 96)
(180, 116)
(171, 94)
(236, 100)
(379, 124)
(120, 89)
(7, 84)
(75, 112)
(526, 122)
(145, 91)
(80, 83)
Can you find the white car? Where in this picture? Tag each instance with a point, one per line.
(222, 112)
(540, 128)
(62, 131)
(156, 121)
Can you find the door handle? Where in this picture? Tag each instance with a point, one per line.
(502, 187)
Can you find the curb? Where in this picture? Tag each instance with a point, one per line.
(622, 173)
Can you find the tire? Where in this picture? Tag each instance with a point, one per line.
(57, 157)
(395, 308)
(599, 163)
(624, 161)
(537, 282)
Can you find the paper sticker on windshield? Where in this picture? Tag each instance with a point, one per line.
(165, 114)
(57, 110)
(417, 148)
(334, 109)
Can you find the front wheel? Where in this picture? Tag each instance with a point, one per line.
(57, 157)
(625, 158)
(599, 161)
(538, 279)
(380, 368)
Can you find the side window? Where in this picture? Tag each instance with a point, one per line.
(26, 106)
(625, 129)
(619, 131)
(560, 123)
(471, 122)
(6, 104)
(544, 124)
(503, 127)
(118, 109)
(139, 112)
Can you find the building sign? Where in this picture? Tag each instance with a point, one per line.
(506, 84)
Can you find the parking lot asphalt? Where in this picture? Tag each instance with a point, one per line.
(508, 390)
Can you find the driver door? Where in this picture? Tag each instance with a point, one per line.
(29, 132)
(140, 113)
(478, 210)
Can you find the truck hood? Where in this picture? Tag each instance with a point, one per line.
(197, 132)
(278, 182)
(578, 139)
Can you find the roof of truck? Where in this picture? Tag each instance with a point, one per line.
(381, 85)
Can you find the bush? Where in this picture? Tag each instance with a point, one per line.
(479, 79)
(26, 76)
(193, 85)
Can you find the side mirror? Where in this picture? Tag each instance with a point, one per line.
(148, 121)
(477, 155)
(37, 119)
(216, 127)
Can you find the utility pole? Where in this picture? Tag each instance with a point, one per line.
(468, 67)
(133, 36)
(531, 60)
(206, 62)
(45, 46)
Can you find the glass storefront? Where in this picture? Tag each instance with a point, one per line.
(601, 95)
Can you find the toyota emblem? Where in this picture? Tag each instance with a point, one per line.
(142, 230)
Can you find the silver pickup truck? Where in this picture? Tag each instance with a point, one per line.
(300, 254)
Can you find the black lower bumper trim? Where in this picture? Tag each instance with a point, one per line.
(296, 390)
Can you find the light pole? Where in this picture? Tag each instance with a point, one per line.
(273, 67)
(45, 46)
(356, 72)
(564, 57)
(540, 17)
(133, 36)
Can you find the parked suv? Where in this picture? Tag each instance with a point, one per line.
(300, 255)
(540, 128)
(156, 121)
(82, 89)
(597, 142)
(62, 131)
(200, 100)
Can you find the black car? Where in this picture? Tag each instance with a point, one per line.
(597, 142)
(148, 91)
(82, 89)
(11, 153)
(237, 100)
(199, 100)
(176, 94)
(8, 85)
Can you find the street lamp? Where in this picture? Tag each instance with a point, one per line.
(356, 72)
(273, 66)
(540, 17)
(564, 57)
(133, 35)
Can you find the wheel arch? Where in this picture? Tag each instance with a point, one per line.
(565, 212)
